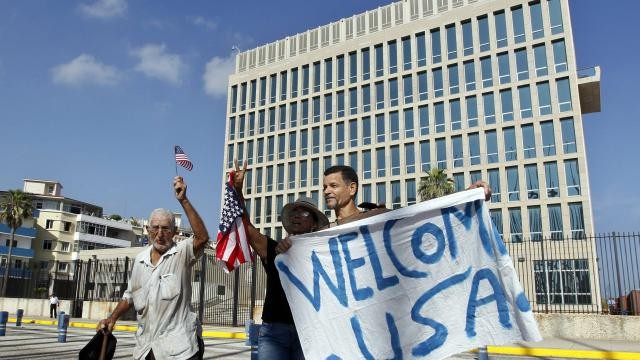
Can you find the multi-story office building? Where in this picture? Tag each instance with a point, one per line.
(484, 89)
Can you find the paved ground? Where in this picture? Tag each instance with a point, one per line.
(34, 342)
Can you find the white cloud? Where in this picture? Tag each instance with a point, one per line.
(155, 62)
(203, 22)
(104, 9)
(85, 69)
(216, 75)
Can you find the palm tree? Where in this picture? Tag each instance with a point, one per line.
(16, 207)
(435, 184)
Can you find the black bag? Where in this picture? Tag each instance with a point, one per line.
(91, 351)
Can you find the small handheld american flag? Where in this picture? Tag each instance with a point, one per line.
(232, 246)
(182, 159)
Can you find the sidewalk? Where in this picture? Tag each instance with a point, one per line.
(560, 348)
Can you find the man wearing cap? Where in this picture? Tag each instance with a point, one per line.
(278, 337)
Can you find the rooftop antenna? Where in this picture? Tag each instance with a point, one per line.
(235, 48)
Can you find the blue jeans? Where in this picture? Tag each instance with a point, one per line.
(279, 342)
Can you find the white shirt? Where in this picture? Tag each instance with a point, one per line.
(161, 296)
(54, 300)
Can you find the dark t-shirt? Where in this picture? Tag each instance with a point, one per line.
(276, 308)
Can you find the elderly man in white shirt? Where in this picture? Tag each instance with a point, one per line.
(160, 287)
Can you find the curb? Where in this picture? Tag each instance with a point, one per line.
(131, 328)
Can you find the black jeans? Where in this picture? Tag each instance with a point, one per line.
(53, 311)
(196, 356)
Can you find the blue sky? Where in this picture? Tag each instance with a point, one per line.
(95, 94)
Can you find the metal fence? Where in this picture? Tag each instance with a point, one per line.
(592, 274)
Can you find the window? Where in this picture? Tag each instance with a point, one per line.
(366, 71)
(366, 130)
(380, 128)
(422, 52)
(559, 56)
(406, 53)
(63, 267)
(528, 141)
(232, 128)
(340, 135)
(273, 84)
(49, 224)
(366, 164)
(503, 68)
(423, 91)
(573, 177)
(242, 126)
(47, 244)
(501, 28)
(489, 108)
(485, 67)
(353, 101)
(540, 57)
(234, 98)
(492, 146)
(316, 76)
(353, 160)
(568, 136)
(407, 89)
(483, 31)
(454, 82)
(452, 52)
(439, 117)
(467, 38)
(408, 123)
(380, 162)
(395, 160)
(328, 106)
(379, 60)
(393, 57)
(393, 92)
(423, 113)
(328, 73)
(381, 193)
(315, 171)
(283, 116)
(293, 115)
(252, 123)
(555, 221)
(394, 125)
(524, 93)
(340, 68)
(328, 138)
(64, 246)
(340, 97)
(517, 19)
(259, 180)
(294, 82)
(249, 181)
(555, 15)
(272, 119)
(537, 28)
(472, 111)
(380, 95)
(551, 175)
(409, 158)
(513, 190)
(437, 82)
(353, 133)
(366, 193)
(396, 198)
(13, 244)
(577, 221)
(522, 64)
(292, 176)
(564, 94)
(548, 139)
(458, 182)
(243, 96)
(531, 176)
(496, 218)
(281, 146)
(474, 149)
(436, 46)
(494, 182)
(562, 281)
(292, 144)
(510, 149)
(458, 154)
(281, 178)
(515, 225)
(455, 113)
(441, 153)
(425, 155)
(410, 186)
(506, 102)
(366, 98)
(544, 98)
(470, 75)
(305, 80)
(283, 85)
(535, 223)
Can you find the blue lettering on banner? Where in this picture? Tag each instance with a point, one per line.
(416, 241)
(338, 290)
(497, 296)
(441, 332)
(352, 264)
(393, 332)
(523, 303)
(381, 281)
(484, 232)
(386, 237)
(464, 217)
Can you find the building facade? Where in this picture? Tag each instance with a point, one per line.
(484, 89)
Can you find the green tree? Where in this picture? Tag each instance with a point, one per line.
(14, 208)
(435, 184)
(115, 217)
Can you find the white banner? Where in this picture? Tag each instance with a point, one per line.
(425, 281)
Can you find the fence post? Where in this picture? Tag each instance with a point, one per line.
(615, 252)
(253, 289)
(236, 290)
(546, 279)
(203, 263)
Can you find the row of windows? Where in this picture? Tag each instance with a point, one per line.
(506, 104)
(527, 141)
(527, 182)
(474, 36)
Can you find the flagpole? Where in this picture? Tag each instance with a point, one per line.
(174, 159)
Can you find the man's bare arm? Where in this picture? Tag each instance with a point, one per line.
(200, 233)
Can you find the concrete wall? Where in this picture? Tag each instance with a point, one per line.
(32, 307)
(590, 326)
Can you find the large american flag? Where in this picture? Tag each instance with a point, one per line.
(182, 159)
(232, 246)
